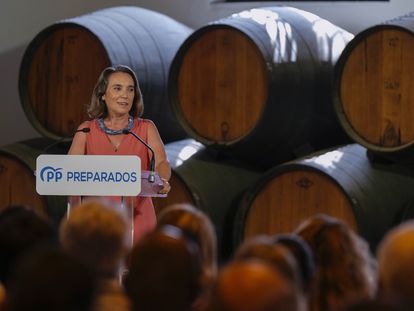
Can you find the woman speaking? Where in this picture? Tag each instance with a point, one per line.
(116, 108)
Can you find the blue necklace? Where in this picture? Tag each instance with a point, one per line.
(108, 131)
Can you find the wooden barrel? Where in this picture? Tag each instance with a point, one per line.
(62, 64)
(178, 152)
(214, 185)
(17, 177)
(257, 84)
(374, 89)
(342, 183)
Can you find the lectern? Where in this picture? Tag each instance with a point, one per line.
(85, 176)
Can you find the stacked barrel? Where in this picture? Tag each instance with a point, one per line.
(254, 89)
(367, 184)
(256, 85)
(374, 89)
(17, 167)
(62, 64)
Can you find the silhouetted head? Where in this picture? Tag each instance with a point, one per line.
(21, 228)
(164, 271)
(196, 223)
(49, 280)
(300, 249)
(252, 285)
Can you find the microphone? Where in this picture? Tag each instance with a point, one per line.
(84, 130)
(151, 176)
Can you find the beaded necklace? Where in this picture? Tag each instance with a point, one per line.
(108, 131)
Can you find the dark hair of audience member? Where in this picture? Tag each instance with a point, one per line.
(300, 249)
(21, 228)
(47, 279)
(164, 271)
(345, 269)
(197, 224)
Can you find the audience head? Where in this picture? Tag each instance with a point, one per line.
(252, 285)
(303, 255)
(197, 224)
(49, 280)
(21, 228)
(262, 247)
(96, 233)
(164, 271)
(396, 265)
(345, 269)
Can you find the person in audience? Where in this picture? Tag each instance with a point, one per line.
(95, 233)
(345, 269)
(262, 247)
(252, 285)
(47, 279)
(395, 266)
(196, 223)
(164, 271)
(116, 108)
(21, 228)
(303, 255)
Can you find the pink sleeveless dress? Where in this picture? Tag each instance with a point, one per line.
(97, 143)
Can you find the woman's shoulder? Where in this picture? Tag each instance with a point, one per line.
(148, 127)
(145, 122)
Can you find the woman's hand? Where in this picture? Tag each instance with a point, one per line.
(166, 187)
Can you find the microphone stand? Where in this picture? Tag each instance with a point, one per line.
(151, 176)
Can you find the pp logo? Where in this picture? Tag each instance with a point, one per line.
(49, 173)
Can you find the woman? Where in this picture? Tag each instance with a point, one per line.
(197, 225)
(94, 234)
(345, 269)
(117, 105)
(263, 248)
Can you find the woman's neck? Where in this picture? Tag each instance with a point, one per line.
(116, 122)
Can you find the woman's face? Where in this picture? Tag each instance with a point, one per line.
(119, 95)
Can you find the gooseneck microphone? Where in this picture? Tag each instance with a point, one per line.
(151, 176)
(84, 130)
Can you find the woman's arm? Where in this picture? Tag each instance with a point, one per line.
(162, 166)
(78, 145)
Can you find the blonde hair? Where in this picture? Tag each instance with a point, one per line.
(95, 233)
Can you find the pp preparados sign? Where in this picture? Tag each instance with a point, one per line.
(88, 175)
